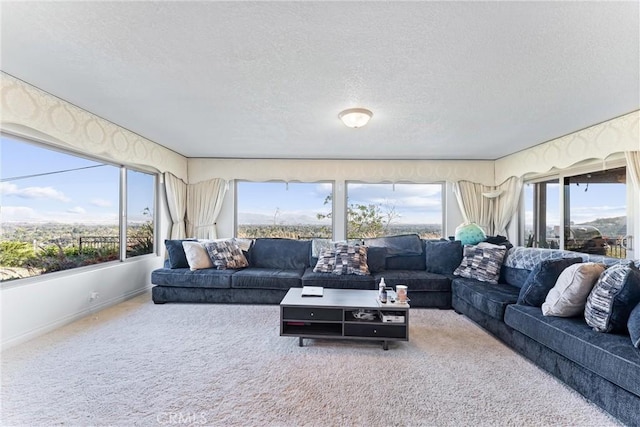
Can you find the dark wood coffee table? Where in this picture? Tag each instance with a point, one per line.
(332, 316)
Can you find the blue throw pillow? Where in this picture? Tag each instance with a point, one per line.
(542, 278)
(634, 326)
(443, 257)
(177, 257)
(613, 298)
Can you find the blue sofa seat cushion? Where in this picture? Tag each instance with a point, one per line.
(186, 278)
(611, 356)
(266, 278)
(283, 254)
(339, 281)
(415, 280)
(491, 299)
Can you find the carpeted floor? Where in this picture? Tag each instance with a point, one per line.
(182, 364)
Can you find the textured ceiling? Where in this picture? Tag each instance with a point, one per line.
(445, 80)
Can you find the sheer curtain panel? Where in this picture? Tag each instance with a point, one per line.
(176, 191)
(474, 206)
(506, 204)
(204, 201)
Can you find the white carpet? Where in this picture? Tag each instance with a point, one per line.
(182, 364)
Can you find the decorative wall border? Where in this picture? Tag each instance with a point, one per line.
(595, 142)
(29, 111)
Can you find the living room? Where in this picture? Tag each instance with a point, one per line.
(251, 93)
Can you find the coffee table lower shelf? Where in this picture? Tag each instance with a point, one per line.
(332, 316)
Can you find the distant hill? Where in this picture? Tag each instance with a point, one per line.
(610, 227)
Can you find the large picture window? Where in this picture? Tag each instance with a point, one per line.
(375, 210)
(594, 219)
(60, 211)
(279, 209)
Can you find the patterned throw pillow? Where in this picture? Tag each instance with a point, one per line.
(326, 261)
(613, 297)
(351, 259)
(482, 262)
(226, 254)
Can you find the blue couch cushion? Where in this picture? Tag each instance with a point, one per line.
(442, 257)
(337, 281)
(491, 299)
(634, 326)
(266, 278)
(285, 254)
(406, 244)
(186, 278)
(177, 257)
(613, 297)
(376, 259)
(513, 276)
(415, 280)
(541, 279)
(411, 262)
(609, 355)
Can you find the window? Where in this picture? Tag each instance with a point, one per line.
(140, 203)
(60, 211)
(279, 209)
(375, 210)
(595, 219)
(542, 214)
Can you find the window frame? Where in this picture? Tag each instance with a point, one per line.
(236, 211)
(122, 211)
(590, 166)
(443, 200)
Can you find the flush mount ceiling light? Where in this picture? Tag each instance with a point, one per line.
(355, 117)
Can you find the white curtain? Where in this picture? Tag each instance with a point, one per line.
(176, 191)
(474, 206)
(633, 167)
(506, 204)
(204, 201)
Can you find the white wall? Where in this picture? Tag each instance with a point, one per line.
(30, 307)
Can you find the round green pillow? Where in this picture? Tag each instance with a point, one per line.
(470, 234)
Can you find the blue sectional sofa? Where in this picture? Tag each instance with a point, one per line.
(275, 265)
(603, 367)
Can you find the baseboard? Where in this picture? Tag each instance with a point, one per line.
(29, 335)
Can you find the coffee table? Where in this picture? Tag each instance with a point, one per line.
(332, 316)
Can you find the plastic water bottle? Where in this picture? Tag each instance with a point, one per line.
(383, 291)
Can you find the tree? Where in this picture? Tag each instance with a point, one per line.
(363, 221)
(15, 254)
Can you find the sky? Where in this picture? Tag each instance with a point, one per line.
(599, 201)
(68, 189)
(290, 203)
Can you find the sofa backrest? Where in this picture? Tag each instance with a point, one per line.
(520, 260)
(283, 254)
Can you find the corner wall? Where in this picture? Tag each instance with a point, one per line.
(33, 306)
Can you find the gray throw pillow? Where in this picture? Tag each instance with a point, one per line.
(326, 261)
(351, 259)
(613, 298)
(542, 278)
(226, 254)
(482, 262)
